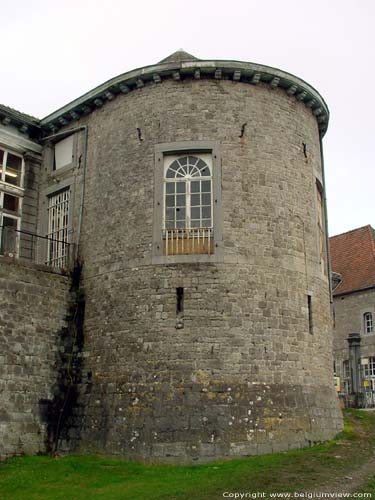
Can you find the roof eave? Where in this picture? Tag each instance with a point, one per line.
(355, 290)
(24, 124)
(246, 72)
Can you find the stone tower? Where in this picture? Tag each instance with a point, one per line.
(203, 241)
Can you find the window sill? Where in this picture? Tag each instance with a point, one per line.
(62, 170)
(188, 259)
(11, 189)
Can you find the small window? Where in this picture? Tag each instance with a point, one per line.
(10, 203)
(63, 153)
(11, 192)
(369, 367)
(368, 324)
(11, 168)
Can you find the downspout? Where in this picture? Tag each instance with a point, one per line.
(326, 220)
(83, 181)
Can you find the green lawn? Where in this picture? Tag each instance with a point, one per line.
(93, 477)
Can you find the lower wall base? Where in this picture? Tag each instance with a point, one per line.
(200, 423)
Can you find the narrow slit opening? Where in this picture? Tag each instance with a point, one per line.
(179, 300)
(179, 307)
(309, 307)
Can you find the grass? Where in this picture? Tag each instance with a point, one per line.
(370, 487)
(92, 477)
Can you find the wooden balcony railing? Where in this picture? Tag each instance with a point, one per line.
(188, 241)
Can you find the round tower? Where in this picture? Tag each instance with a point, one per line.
(207, 323)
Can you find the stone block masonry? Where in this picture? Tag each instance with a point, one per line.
(34, 303)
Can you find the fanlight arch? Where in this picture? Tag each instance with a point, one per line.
(188, 166)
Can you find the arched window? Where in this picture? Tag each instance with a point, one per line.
(368, 325)
(187, 216)
(188, 188)
(188, 211)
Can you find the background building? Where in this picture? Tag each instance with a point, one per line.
(353, 257)
(192, 195)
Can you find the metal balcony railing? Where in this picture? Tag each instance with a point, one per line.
(32, 247)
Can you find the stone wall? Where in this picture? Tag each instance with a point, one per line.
(33, 311)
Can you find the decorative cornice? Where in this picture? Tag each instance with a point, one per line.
(27, 125)
(20, 143)
(245, 72)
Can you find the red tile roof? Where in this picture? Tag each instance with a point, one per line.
(353, 256)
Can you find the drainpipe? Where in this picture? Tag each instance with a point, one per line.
(83, 181)
(326, 220)
(354, 341)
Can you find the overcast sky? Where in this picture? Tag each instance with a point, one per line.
(53, 52)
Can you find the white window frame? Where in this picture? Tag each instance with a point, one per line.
(187, 236)
(369, 370)
(368, 324)
(180, 149)
(187, 180)
(12, 190)
(3, 170)
(58, 217)
(16, 250)
(63, 154)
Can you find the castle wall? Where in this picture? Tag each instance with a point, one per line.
(33, 310)
(247, 373)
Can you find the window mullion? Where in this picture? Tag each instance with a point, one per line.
(188, 205)
(164, 216)
(5, 160)
(22, 174)
(212, 203)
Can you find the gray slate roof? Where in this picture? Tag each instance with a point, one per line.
(179, 56)
(17, 114)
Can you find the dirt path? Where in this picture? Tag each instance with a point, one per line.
(352, 480)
